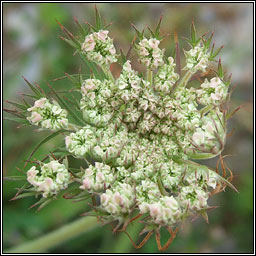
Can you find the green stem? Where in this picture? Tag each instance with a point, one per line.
(74, 127)
(92, 67)
(203, 155)
(108, 73)
(205, 109)
(189, 162)
(150, 76)
(184, 80)
(123, 244)
(161, 187)
(56, 237)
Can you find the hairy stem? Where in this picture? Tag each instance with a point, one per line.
(56, 237)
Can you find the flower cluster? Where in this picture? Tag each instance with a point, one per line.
(139, 134)
(166, 77)
(119, 200)
(48, 115)
(147, 128)
(128, 86)
(97, 178)
(98, 47)
(80, 143)
(211, 134)
(149, 53)
(50, 179)
(201, 178)
(197, 59)
(214, 92)
(194, 198)
(165, 212)
(95, 103)
(110, 143)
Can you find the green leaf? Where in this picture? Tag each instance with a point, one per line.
(193, 34)
(208, 42)
(85, 76)
(73, 193)
(98, 19)
(65, 162)
(231, 113)
(161, 187)
(157, 30)
(106, 26)
(25, 102)
(82, 30)
(46, 202)
(91, 66)
(69, 34)
(43, 142)
(15, 113)
(203, 167)
(95, 214)
(139, 34)
(214, 54)
(224, 180)
(30, 96)
(73, 80)
(151, 32)
(80, 78)
(205, 216)
(70, 42)
(122, 57)
(67, 107)
(17, 105)
(42, 203)
(177, 53)
(220, 70)
(23, 195)
(228, 82)
(37, 93)
(17, 120)
(15, 178)
(203, 155)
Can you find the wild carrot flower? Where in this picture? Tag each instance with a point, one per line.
(138, 134)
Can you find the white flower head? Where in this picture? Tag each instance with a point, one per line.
(52, 178)
(118, 200)
(99, 48)
(80, 143)
(48, 115)
(213, 92)
(140, 133)
(197, 59)
(149, 53)
(97, 178)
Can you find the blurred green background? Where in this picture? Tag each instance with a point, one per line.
(32, 48)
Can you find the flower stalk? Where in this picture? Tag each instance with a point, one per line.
(57, 237)
(184, 81)
(150, 76)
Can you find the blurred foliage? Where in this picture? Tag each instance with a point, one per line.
(32, 48)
